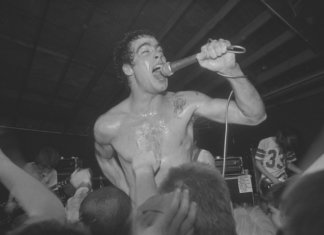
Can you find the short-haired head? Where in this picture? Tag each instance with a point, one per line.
(209, 190)
(106, 211)
(123, 53)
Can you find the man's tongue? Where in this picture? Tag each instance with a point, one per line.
(157, 72)
(158, 75)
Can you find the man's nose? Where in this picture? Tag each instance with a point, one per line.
(159, 55)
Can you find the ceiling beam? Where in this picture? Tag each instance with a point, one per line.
(263, 51)
(313, 92)
(285, 66)
(314, 77)
(40, 130)
(59, 56)
(137, 11)
(295, 61)
(67, 65)
(26, 78)
(244, 33)
(285, 12)
(184, 5)
(250, 28)
(228, 6)
(101, 69)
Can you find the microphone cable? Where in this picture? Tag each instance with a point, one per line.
(226, 133)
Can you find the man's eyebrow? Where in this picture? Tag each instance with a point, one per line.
(148, 44)
(142, 45)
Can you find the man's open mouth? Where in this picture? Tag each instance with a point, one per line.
(157, 68)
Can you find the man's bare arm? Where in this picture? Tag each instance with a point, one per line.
(248, 102)
(215, 109)
(37, 200)
(105, 129)
(247, 108)
(291, 166)
(144, 167)
(110, 166)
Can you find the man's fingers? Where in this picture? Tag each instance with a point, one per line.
(216, 48)
(188, 223)
(145, 219)
(170, 212)
(182, 212)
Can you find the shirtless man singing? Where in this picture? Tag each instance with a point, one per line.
(154, 120)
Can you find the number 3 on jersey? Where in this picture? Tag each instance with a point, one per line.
(275, 159)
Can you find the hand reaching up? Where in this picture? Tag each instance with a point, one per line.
(167, 214)
(146, 161)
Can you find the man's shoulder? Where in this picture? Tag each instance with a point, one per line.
(109, 122)
(190, 97)
(186, 93)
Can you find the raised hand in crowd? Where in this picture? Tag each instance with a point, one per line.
(166, 214)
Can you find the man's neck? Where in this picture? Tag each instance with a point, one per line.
(145, 103)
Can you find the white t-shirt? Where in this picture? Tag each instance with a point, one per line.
(273, 160)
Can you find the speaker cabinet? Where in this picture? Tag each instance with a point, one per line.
(240, 189)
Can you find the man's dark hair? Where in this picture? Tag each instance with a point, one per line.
(209, 190)
(123, 53)
(106, 211)
(287, 139)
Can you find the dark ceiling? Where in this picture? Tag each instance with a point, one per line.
(56, 65)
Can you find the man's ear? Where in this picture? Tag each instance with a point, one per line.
(127, 69)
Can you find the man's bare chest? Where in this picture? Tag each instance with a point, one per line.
(155, 133)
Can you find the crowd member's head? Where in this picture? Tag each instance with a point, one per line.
(106, 211)
(209, 190)
(302, 206)
(49, 227)
(48, 157)
(126, 51)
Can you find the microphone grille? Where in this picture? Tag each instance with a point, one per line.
(166, 70)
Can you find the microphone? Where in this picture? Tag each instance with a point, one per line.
(170, 68)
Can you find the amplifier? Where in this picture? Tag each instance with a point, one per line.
(233, 165)
(69, 164)
(241, 190)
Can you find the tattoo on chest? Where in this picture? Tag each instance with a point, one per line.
(178, 105)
